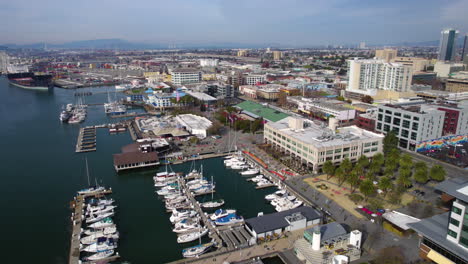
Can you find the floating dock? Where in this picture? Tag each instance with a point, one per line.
(77, 206)
(86, 140)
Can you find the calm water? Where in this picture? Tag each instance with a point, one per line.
(41, 172)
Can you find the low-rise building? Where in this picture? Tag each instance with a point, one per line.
(329, 244)
(418, 64)
(458, 82)
(275, 224)
(338, 111)
(256, 110)
(445, 69)
(196, 125)
(444, 237)
(253, 79)
(313, 144)
(186, 76)
(249, 91)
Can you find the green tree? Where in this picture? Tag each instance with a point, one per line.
(420, 165)
(353, 180)
(340, 175)
(406, 161)
(390, 142)
(367, 188)
(404, 181)
(346, 165)
(378, 159)
(367, 99)
(404, 172)
(363, 161)
(328, 168)
(420, 174)
(437, 173)
(385, 184)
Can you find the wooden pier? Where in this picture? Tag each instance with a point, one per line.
(77, 218)
(86, 140)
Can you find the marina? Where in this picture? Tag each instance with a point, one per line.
(86, 141)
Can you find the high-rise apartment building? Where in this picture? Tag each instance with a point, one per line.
(447, 44)
(464, 55)
(368, 76)
(277, 55)
(386, 54)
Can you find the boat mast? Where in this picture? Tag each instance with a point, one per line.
(87, 171)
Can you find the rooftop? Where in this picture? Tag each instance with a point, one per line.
(456, 187)
(185, 70)
(202, 96)
(194, 121)
(321, 136)
(399, 219)
(329, 231)
(134, 157)
(260, 110)
(275, 221)
(435, 229)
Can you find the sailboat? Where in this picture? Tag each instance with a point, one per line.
(164, 175)
(213, 203)
(91, 189)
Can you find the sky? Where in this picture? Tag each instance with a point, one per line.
(283, 22)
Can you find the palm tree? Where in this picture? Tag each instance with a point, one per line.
(363, 161)
(346, 165)
(384, 184)
(404, 181)
(420, 174)
(378, 159)
(367, 188)
(437, 173)
(341, 175)
(420, 165)
(405, 172)
(353, 180)
(406, 161)
(328, 168)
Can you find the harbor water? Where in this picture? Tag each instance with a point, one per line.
(41, 173)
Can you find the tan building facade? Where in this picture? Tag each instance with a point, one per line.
(386, 54)
(418, 64)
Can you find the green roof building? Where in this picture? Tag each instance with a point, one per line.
(257, 110)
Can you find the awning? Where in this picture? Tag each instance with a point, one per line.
(438, 258)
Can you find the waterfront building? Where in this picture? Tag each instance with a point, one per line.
(447, 46)
(444, 237)
(277, 55)
(254, 79)
(313, 144)
(186, 76)
(196, 125)
(276, 224)
(256, 110)
(139, 155)
(386, 54)
(330, 109)
(161, 100)
(446, 69)
(329, 244)
(367, 77)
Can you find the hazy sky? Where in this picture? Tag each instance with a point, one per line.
(290, 22)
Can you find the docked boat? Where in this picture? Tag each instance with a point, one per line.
(101, 255)
(186, 229)
(197, 250)
(106, 222)
(64, 116)
(100, 209)
(264, 182)
(105, 231)
(229, 220)
(212, 204)
(239, 166)
(29, 80)
(180, 205)
(96, 218)
(179, 215)
(90, 190)
(250, 172)
(100, 202)
(123, 87)
(101, 245)
(189, 237)
(88, 240)
(222, 213)
(187, 222)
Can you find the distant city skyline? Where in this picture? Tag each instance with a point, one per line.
(291, 23)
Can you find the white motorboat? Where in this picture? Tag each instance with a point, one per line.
(87, 240)
(222, 213)
(185, 204)
(96, 218)
(187, 222)
(178, 217)
(106, 222)
(90, 190)
(212, 204)
(99, 208)
(100, 202)
(263, 183)
(257, 178)
(164, 183)
(250, 172)
(101, 245)
(239, 166)
(189, 237)
(197, 250)
(105, 231)
(101, 255)
(229, 220)
(185, 229)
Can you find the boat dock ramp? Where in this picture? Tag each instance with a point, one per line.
(235, 237)
(86, 140)
(77, 205)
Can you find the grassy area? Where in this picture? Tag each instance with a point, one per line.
(340, 194)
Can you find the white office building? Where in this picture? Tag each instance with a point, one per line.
(369, 76)
(309, 105)
(186, 76)
(313, 144)
(209, 62)
(411, 124)
(253, 79)
(196, 125)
